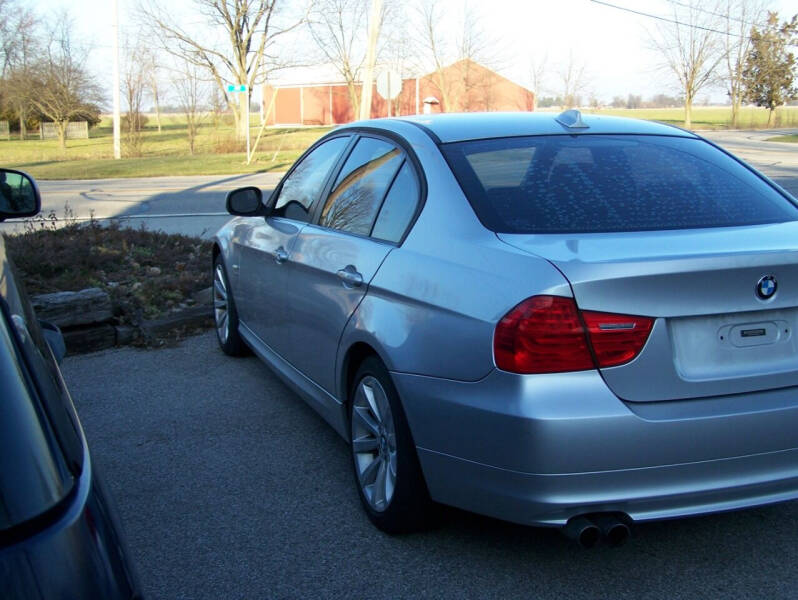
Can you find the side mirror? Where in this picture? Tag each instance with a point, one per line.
(55, 339)
(246, 202)
(19, 195)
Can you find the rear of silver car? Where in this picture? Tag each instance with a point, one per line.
(694, 410)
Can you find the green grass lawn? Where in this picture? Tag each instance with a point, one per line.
(710, 117)
(165, 153)
(218, 153)
(793, 139)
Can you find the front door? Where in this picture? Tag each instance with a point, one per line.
(267, 249)
(333, 260)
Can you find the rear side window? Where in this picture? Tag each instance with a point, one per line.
(303, 186)
(398, 208)
(596, 183)
(361, 186)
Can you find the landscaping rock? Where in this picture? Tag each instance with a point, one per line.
(196, 316)
(125, 334)
(70, 309)
(89, 339)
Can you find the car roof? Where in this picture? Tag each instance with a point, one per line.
(459, 127)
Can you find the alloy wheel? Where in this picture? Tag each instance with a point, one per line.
(220, 309)
(374, 443)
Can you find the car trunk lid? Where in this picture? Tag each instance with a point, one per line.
(713, 333)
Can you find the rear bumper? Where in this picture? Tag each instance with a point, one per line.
(541, 449)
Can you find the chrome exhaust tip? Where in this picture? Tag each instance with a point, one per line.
(613, 529)
(583, 531)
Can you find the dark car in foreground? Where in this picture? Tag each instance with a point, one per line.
(59, 537)
(559, 320)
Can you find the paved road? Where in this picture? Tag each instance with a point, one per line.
(195, 205)
(229, 486)
(778, 160)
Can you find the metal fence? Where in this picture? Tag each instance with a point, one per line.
(75, 130)
(5, 134)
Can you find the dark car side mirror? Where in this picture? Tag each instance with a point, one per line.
(246, 202)
(55, 339)
(19, 195)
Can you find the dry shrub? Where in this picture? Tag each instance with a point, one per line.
(147, 273)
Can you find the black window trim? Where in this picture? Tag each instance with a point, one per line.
(409, 158)
(279, 188)
(327, 190)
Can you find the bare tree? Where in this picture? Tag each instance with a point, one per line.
(152, 68)
(474, 50)
(537, 74)
(19, 47)
(691, 47)
(249, 28)
(457, 72)
(739, 18)
(573, 80)
(434, 45)
(64, 89)
(18, 29)
(338, 28)
(191, 89)
(134, 82)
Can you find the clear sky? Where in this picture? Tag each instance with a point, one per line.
(612, 44)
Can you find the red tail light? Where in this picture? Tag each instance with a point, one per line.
(616, 339)
(545, 334)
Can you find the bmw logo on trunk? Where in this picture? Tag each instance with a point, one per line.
(766, 287)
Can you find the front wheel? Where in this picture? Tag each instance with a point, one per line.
(387, 471)
(225, 316)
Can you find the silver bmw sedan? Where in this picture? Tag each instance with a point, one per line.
(558, 320)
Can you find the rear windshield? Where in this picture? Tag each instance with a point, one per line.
(595, 183)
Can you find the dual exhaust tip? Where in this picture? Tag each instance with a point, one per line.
(588, 530)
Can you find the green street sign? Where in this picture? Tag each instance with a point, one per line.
(236, 88)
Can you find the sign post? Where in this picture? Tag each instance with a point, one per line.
(389, 86)
(242, 89)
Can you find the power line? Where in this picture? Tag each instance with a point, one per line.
(676, 22)
(659, 18)
(714, 14)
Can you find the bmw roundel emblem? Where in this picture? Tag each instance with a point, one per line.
(766, 287)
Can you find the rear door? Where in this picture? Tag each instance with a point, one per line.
(363, 217)
(266, 246)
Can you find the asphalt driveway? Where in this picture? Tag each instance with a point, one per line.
(228, 486)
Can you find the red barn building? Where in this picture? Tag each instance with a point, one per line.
(464, 86)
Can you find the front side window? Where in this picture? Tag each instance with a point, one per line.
(361, 186)
(303, 186)
(596, 183)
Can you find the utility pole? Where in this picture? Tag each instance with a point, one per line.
(371, 57)
(117, 136)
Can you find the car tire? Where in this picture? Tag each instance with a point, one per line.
(387, 471)
(225, 316)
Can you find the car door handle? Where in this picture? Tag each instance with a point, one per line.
(280, 255)
(350, 277)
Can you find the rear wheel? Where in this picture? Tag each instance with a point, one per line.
(387, 472)
(224, 313)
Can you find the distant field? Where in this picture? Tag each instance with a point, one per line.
(217, 152)
(710, 117)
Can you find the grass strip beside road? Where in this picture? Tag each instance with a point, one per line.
(792, 139)
(154, 166)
